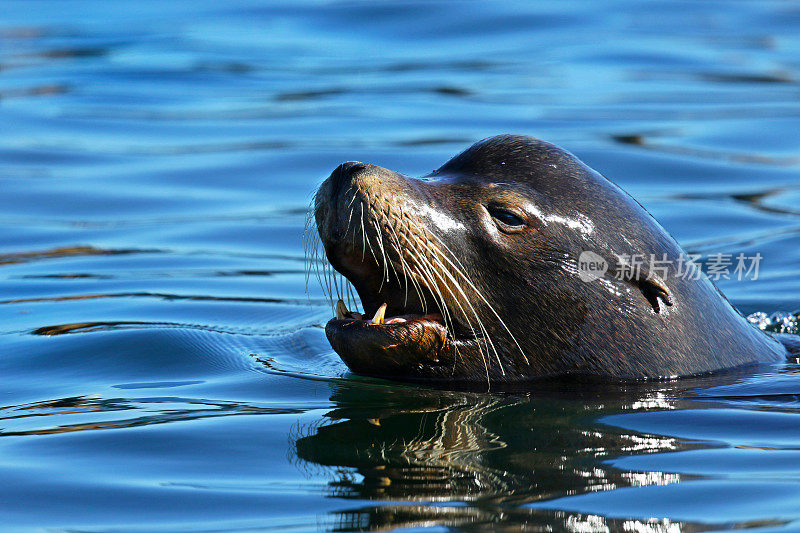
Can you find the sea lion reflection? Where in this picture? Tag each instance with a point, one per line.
(496, 453)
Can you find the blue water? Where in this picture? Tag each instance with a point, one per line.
(162, 367)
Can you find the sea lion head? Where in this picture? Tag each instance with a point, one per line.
(476, 271)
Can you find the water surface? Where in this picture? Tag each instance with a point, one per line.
(163, 367)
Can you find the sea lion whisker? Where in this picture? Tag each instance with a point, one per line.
(432, 273)
(451, 325)
(418, 262)
(422, 260)
(417, 287)
(485, 336)
(351, 208)
(335, 278)
(363, 233)
(406, 268)
(313, 260)
(349, 221)
(409, 269)
(348, 293)
(482, 297)
(327, 272)
(367, 237)
(484, 333)
(383, 262)
(351, 297)
(353, 199)
(387, 256)
(428, 271)
(455, 283)
(310, 237)
(394, 241)
(322, 267)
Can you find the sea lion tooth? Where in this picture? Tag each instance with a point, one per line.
(341, 310)
(379, 314)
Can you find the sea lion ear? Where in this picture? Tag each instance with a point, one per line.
(654, 288)
(651, 286)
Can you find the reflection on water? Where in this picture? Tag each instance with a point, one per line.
(496, 452)
(486, 519)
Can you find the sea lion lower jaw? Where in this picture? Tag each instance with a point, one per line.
(397, 346)
(408, 348)
(471, 274)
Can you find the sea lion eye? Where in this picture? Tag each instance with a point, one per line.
(506, 217)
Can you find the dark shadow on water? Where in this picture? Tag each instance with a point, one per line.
(749, 78)
(483, 457)
(91, 327)
(444, 90)
(702, 153)
(739, 241)
(37, 90)
(154, 410)
(67, 251)
(165, 296)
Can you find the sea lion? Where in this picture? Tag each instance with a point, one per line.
(513, 261)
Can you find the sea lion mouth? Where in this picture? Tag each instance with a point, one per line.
(412, 323)
(401, 335)
(390, 300)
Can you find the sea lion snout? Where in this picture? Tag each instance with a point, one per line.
(363, 176)
(351, 184)
(374, 226)
(330, 197)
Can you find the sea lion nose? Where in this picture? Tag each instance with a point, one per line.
(343, 174)
(350, 168)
